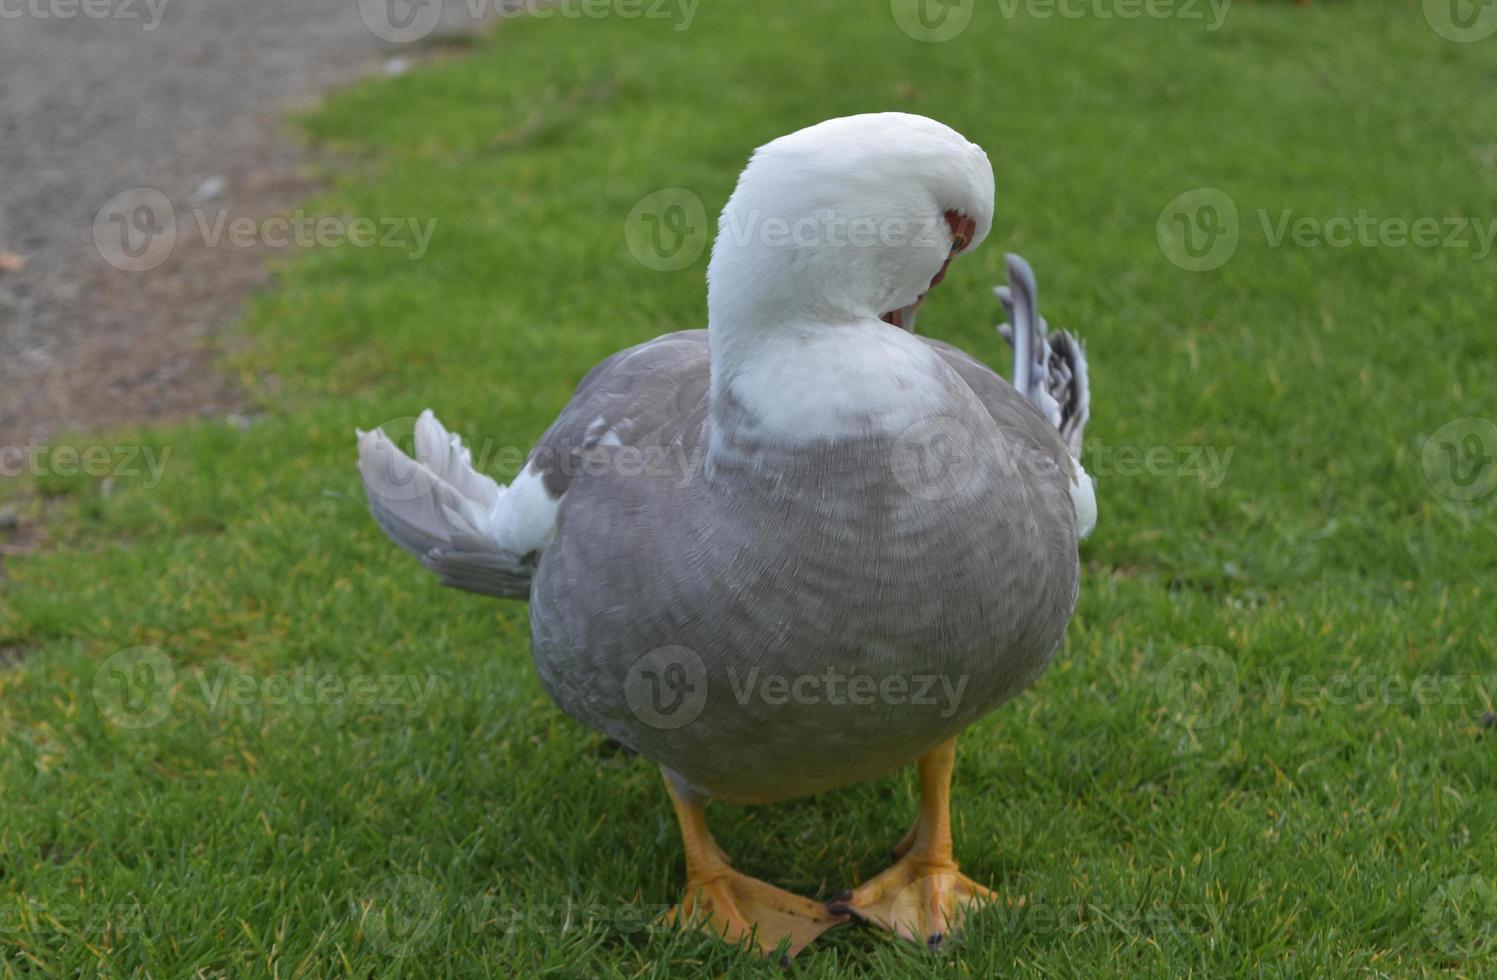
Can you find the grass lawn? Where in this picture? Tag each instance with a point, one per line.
(240, 734)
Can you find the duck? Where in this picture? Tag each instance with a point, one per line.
(805, 547)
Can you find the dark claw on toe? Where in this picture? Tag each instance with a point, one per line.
(835, 907)
(934, 942)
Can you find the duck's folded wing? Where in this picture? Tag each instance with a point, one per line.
(641, 399)
(1019, 417)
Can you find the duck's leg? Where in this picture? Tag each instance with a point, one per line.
(734, 905)
(924, 895)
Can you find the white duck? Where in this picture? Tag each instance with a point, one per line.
(803, 492)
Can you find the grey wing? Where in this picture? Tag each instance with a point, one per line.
(1044, 445)
(1012, 411)
(645, 399)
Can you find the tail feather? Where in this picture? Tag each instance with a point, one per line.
(1049, 368)
(1067, 382)
(441, 510)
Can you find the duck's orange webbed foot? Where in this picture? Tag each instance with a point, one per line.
(924, 896)
(919, 899)
(738, 907)
(734, 905)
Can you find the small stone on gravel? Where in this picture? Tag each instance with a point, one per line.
(209, 189)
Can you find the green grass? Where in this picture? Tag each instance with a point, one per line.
(1329, 828)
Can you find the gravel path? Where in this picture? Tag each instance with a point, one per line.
(101, 96)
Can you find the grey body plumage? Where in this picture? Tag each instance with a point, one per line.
(676, 542)
(822, 560)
